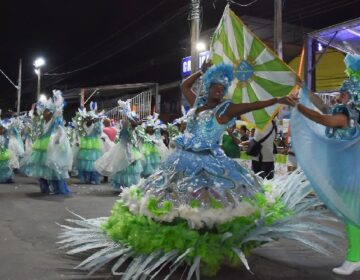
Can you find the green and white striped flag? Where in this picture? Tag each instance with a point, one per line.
(259, 73)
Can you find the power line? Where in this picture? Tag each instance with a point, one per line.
(154, 30)
(11, 82)
(240, 4)
(326, 9)
(113, 35)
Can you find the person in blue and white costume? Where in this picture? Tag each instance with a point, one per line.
(152, 145)
(334, 138)
(51, 158)
(123, 162)
(91, 146)
(16, 144)
(7, 158)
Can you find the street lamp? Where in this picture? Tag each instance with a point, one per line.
(38, 63)
(200, 46)
(42, 97)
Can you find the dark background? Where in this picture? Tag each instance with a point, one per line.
(122, 41)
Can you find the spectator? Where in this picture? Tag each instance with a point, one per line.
(230, 143)
(109, 130)
(243, 133)
(264, 163)
(252, 134)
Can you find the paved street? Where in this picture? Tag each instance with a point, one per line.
(28, 232)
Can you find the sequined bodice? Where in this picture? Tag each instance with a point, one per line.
(203, 132)
(344, 133)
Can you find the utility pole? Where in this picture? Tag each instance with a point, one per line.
(194, 16)
(38, 73)
(19, 88)
(278, 47)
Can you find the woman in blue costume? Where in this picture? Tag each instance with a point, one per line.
(50, 159)
(91, 145)
(335, 139)
(200, 208)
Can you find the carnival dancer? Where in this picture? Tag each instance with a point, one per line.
(74, 139)
(200, 208)
(16, 144)
(89, 125)
(6, 171)
(122, 163)
(26, 134)
(334, 138)
(50, 159)
(153, 147)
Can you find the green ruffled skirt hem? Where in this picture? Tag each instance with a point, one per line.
(146, 236)
(37, 166)
(90, 143)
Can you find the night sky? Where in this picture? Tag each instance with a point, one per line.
(122, 41)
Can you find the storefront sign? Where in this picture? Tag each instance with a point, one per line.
(186, 63)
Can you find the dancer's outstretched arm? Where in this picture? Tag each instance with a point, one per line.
(336, 121)
(319, 103)
(236, 110)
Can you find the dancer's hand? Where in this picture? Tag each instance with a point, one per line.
(288, 100)
(206, 65)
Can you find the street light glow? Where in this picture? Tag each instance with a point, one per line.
(39, 62)
(42, 97)
(320, 47)
(200, 46)
(36, 70)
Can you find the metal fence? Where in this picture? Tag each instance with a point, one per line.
(141, 104)
(328, 97)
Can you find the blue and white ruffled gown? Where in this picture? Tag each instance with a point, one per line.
(198, 171)
(329, 158)
(335, 174)
(122, 163)
(50, 159)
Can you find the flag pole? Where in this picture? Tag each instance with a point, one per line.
(278, 46)
(194, 16)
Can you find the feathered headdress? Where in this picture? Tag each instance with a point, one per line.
(92, 112)
(125, 108)
(153, 121)
(184, 116)
(352, 84)
(218, 74)
(55, 104)
(5, 123)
